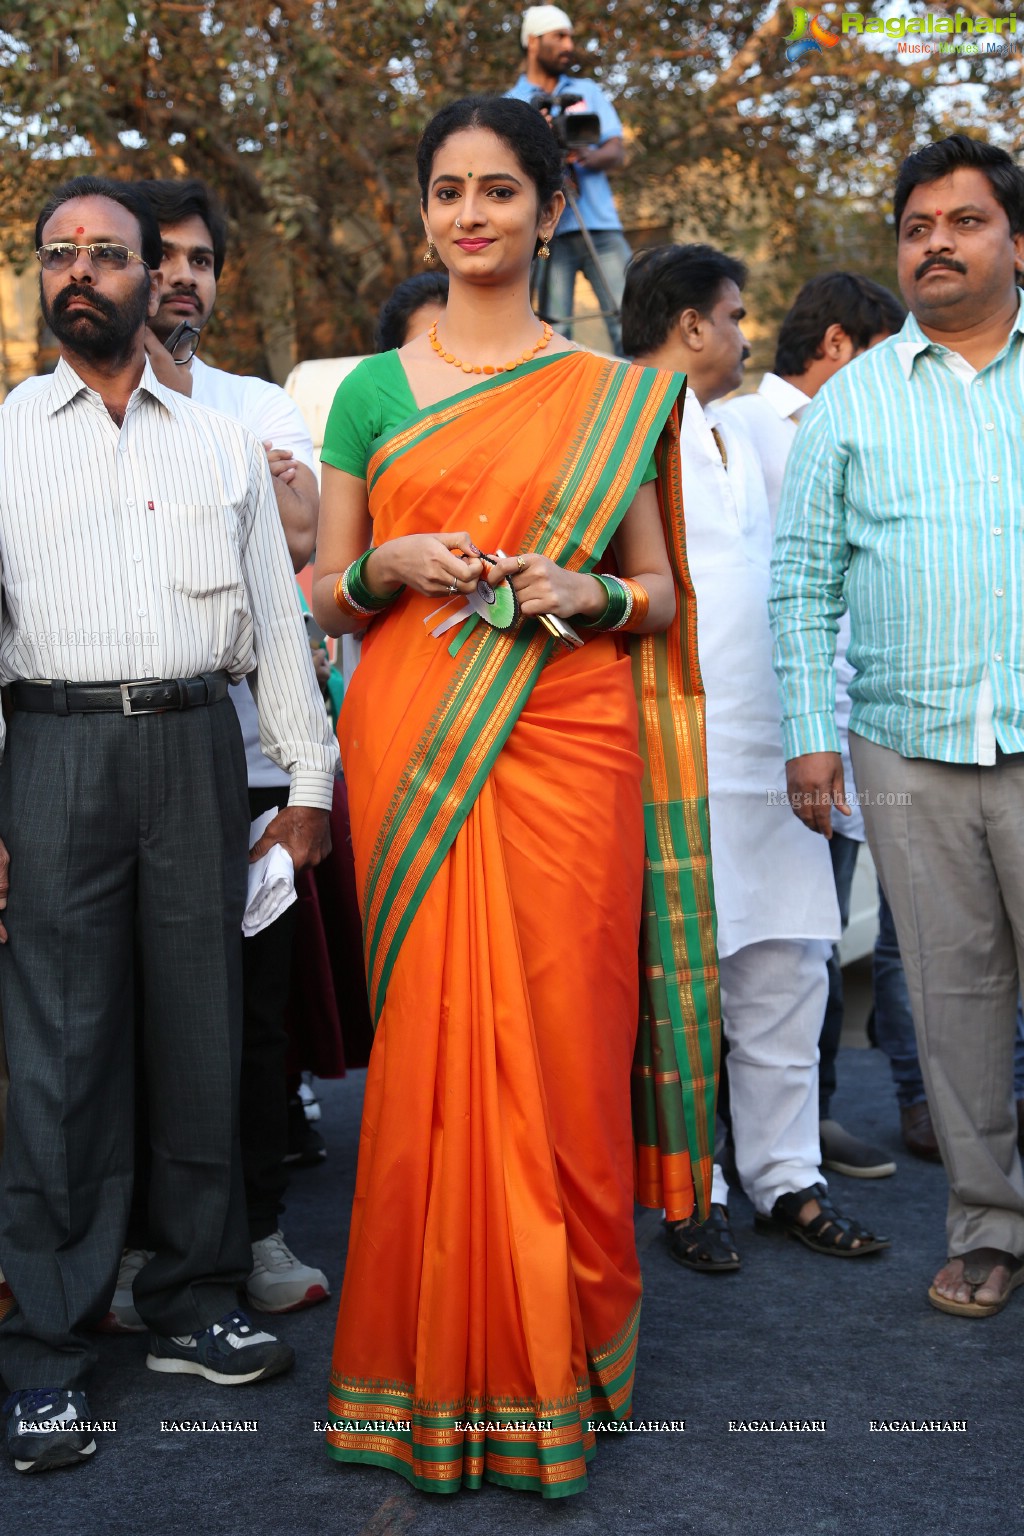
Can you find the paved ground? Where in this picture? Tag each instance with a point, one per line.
(791, 1336)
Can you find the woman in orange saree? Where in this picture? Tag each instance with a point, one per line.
(488, 1319)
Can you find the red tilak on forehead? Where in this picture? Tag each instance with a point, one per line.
(80, 230)
(938, 213)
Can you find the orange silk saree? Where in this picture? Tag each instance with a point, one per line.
(488, 1317)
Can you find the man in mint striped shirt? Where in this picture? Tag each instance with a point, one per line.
(903, 501)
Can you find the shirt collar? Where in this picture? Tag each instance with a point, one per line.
(913, 341)
(784, 398)
(67, 385)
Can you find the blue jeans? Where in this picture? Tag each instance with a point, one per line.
(844, 852)
(556, 278)
(894, 1024)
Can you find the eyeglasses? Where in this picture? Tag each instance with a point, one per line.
(183, 343)
(59, 255)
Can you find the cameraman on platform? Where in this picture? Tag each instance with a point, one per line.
(547, 39)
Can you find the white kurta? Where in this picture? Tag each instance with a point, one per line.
(770, 419)
(773, 878)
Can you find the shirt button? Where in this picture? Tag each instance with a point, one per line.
(999, 656)
(999, 591)
(994, 479)
(482, 518)
(137, 553)
(990, 426)
(997, 530)
(129, 503)
(143, 611)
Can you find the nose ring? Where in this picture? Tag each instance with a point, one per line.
(458, 223)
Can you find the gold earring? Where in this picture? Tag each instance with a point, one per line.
(430, 255)
(545, 249)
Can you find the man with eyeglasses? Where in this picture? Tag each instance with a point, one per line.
(143, 567)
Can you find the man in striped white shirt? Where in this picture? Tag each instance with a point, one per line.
(143, 566)
(902, 501)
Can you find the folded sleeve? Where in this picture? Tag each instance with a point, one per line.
(809, 562)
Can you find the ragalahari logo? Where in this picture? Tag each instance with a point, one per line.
(810, 34)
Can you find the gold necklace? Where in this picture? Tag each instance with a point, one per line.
(456, 362)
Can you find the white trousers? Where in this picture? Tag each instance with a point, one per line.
(773, 1002)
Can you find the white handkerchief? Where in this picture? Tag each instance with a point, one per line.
(271, 881)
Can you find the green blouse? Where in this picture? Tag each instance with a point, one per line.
(373, 399)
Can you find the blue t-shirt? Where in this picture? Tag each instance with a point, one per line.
(595, 195)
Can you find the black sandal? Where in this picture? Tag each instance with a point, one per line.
(706, 1246)
(838, 1236)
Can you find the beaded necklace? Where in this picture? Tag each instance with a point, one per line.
(456, 362)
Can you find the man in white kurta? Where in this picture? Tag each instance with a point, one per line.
(833, 319)
(774, 890)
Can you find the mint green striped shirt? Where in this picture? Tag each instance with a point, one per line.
(904, 499)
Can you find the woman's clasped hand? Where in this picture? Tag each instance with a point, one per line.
(431, 563)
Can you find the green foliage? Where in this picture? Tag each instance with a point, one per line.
(304, 115)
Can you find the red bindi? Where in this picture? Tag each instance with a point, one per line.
(938, 213)
(80, 230)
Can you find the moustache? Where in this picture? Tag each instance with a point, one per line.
(944, 262)
(76, 291)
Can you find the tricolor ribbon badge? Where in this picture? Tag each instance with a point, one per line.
(810, 34)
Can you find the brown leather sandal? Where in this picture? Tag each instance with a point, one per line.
(837, 1236)
(978, 1266)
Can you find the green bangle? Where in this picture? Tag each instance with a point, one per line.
(617, 608)
(359, 593)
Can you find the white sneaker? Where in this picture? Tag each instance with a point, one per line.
(122, 1317)
(310, 1102)
(279, 1282)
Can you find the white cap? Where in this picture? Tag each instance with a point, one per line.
(543, 18)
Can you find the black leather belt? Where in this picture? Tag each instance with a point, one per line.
(154, 697)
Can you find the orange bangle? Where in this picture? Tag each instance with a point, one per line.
(641, 603)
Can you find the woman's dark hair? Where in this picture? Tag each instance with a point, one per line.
(175, 201)
(663, 281)
(956, 153)
(864, 309)
(400, 306)
(517, 125)
(124, 192)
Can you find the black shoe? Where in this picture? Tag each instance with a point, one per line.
(306, 1147)
(706, 1246)
(43, 1429)
(230, 1353)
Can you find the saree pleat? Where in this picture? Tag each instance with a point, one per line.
(490, 1305)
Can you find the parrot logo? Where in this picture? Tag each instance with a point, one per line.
(809, 35)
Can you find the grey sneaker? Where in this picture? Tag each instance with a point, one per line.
(279, 1281)
(44, 1429)
(122, 1317)
(844, 1153)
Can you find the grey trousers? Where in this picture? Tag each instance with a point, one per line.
(951, 863)
(118, 826)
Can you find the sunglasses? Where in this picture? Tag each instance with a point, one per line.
(59, 255)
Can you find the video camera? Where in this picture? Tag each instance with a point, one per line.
(572, 130)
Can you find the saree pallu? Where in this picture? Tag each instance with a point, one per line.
(489, 1312)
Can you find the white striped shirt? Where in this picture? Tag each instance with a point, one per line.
(903, 496)
(153, 550)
